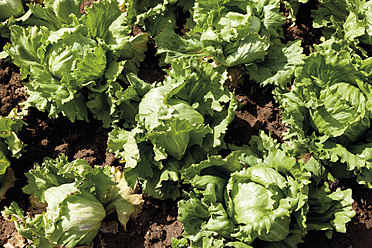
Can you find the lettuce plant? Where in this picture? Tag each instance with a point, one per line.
(152, 15)
(9, 142)
(345, 19)
(9, 145)
(235, 33)
(78, 197)
(259, 192)
(79, 67)
(225, 30)
(11, 13)
(178, 121)
(328, 109)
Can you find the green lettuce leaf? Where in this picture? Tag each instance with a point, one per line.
(153, 15)
(178, 121)
(329, 210)
(72, 218)
(78, 197)
(235, 33)
(345, 19)
(329, 12)
(157, 172)
(278, 66)
(75, 68)
(122, 198)
(283, 204)
(10, 145)
(9, 127)
(177, 135)
(328, 109)
(53, 14)
(11, 8)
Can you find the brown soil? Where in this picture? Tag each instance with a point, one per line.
(150, 72)
(154, 227)
(258, 112)
(157, 224)
(12, 90)
(86, 3)
(303, 28)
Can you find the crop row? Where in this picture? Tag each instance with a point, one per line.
(169, 135)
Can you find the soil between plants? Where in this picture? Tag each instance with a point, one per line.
(157, 224)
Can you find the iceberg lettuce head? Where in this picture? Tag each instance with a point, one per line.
(328, 109)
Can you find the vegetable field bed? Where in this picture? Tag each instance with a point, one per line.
(158, 222)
